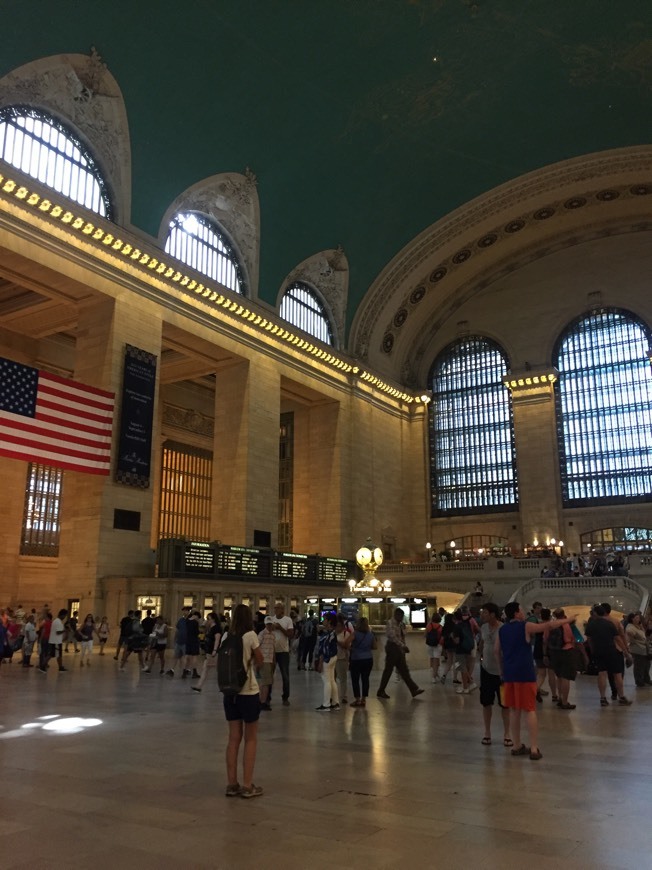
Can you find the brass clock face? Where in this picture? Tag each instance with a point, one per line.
(364, 556)
(378, 556)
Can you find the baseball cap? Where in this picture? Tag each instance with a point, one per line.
(268, 619)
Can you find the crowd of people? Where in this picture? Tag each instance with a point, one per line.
(523, 658)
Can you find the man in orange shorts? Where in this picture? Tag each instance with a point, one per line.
(514, 651)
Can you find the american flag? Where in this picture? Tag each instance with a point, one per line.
(47, 419)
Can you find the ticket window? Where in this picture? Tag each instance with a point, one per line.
(263, 603)
(149, 602)
(210, 602)
(246, 600)
(188, 601)
(228, 606)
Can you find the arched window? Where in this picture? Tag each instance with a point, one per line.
(198, 241)
(42, 147)
(472, 461)
(604, 416)
(302, 307)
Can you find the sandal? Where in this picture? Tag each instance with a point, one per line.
(522, 750)
(486, 741)
(604, 702)
(535, 756)
(508, 742)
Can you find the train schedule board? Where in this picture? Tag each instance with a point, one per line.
(295, 568)
(243, 562)
(337, 570)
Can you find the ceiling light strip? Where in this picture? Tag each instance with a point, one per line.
(165, 270)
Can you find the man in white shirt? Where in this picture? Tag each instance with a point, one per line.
(57, 633)
(283, 633)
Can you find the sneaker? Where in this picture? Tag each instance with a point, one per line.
(251, 792)
(42, 670)
(62, 668)
(462, 691)
(195, 689)
(195, 674)
(418, 692)
(335, 706)
(624, 702)
(442, 680)
(233, 790)
(604, 702)
(539, 698)
(472, 687)
(169, 673)
(146, 671)
(286, 703)
(323, 709)
(383, 695)
(185, 674)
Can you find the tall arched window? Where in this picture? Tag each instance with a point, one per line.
(472, 461)
(302, 307)
(42, 147)
(604, 416)
(198, 241)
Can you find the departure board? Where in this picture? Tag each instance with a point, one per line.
(179, 558)
(337, 570)
(243, 561)
(295, 568)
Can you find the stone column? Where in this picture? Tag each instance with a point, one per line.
(245, 452)
(318, 479)
(537, 456)
(92, 551)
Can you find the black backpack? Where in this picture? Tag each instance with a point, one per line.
(231, 672)
(556, 639)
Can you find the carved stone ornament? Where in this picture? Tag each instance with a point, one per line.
(79, 90)
(232, 200)
(188, 419)
(327, 272)
(454, 234)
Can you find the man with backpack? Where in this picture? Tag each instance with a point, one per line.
(433, 642)
(308, 640)
(283, 633)
(125, 631)
(395, 650)
(559, 645)
(464, 639)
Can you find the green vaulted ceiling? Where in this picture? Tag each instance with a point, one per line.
(365, 121)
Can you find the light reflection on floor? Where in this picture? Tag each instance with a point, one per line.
(53, 724)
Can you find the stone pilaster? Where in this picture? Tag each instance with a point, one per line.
(246, 463)
(536, 452)
(91, 549)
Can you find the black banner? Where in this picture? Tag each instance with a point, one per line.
(136, 418)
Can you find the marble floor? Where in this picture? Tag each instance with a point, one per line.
(138, 780)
